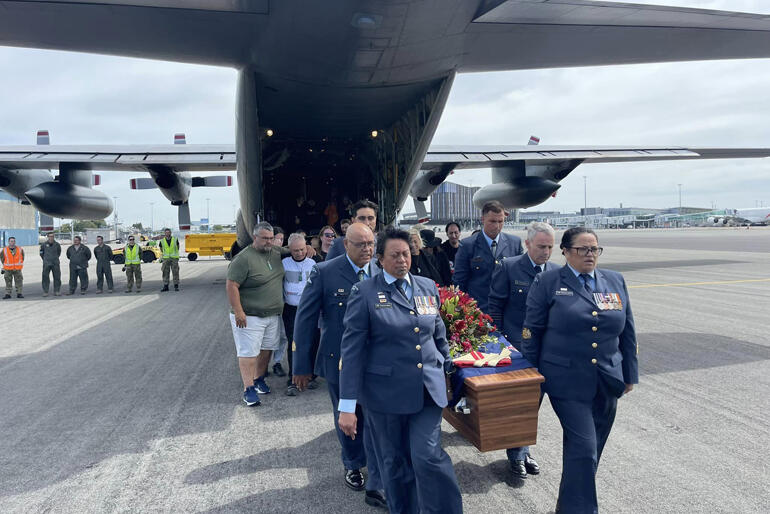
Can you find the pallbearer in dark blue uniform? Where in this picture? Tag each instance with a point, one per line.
(508, 305)
(479, 254)
(394, 353)
(579, 332)
(326, 294)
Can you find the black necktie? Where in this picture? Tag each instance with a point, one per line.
(400, 283)
(587, 282)
(494, 248)
(538, 269)
(361, 275)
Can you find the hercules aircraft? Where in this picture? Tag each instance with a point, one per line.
(344, 97)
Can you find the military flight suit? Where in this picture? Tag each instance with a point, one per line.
(50, 253)
(103, 255)
(79, 258)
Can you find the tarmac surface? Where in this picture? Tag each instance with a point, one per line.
(131, 402)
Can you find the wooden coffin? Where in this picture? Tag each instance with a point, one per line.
(503, 410)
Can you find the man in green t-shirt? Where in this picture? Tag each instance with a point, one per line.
(255, 292)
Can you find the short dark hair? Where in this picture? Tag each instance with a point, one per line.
(166, 229)
(345, 220)
(569, 236)
(363, 204)
(278, 230)
(50, 234)
(492, 206)
(390, 233)
(446, 229)
(100, 237)
(78, 238)
(11, 238)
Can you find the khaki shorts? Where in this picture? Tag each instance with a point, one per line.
(259, 334)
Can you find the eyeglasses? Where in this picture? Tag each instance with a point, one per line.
(583, 251)
(363, 244)
(329, 234)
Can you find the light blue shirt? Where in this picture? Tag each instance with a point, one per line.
(542, 266)
(577, 275)
(350, 405)
(366, 267)
(489, 239)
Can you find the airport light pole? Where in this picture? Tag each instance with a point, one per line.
(115, 212)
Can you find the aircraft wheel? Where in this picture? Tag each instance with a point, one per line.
(148, 256)
(192, 256)
(118, 259)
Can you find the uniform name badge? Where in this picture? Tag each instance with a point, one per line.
(426, 305)
(608, 301)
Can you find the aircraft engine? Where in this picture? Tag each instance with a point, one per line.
(427, 181)
(520, 193)
(66, 200)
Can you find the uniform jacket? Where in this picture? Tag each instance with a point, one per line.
(79, 258)
(474, 264)
(337, 248)
(390, 351)
(50, 252)
(326, 293)
(103, 254)
(575, 343)
(508, 295)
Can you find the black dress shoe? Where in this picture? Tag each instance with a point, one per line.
(355, 479)
(376, 499)
(165, 288)
(19, 295)
(531, 465)
(518, 469)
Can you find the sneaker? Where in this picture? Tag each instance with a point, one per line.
(127, 291)
(45, 295)
(176, 287)
(19, 295)
(312, 384)
(57, 294)
(291, 390)
(278, 370)
(261, 386)
(250, 397)
(82, 292)
(98, 291)
(165, 288)
(110, 291)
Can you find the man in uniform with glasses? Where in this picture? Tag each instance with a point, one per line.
(326, 294)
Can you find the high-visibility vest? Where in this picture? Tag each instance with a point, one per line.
(133, 255)
(13, 261)
(170, 251)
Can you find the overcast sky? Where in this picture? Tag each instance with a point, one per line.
(94, 99)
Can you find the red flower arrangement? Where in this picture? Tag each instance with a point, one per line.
(467, 327)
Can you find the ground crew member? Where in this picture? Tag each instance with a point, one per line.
(394, 353)
(103, 255)
(132, 255)
(508, 305)
(79, 255)
(579, 333)
(479, 254)
(326, 294)
(50, 251)
(13, 261)
(169, 245)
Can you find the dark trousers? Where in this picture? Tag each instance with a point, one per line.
(417, 473)
(586, 426)
(289, 314)
(81, 273)
(47, 270)
(103, 270)
(359, 452)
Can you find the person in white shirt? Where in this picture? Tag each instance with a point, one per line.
(297, 269)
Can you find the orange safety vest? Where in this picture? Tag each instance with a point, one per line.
(11, 261)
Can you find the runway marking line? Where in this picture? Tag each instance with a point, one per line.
(685, 284)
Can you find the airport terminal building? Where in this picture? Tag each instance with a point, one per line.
(17, 220)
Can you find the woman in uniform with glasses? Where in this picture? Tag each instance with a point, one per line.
(579, 332)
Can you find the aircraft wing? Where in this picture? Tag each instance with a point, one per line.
(529, 34)
(468, 36)
(456, 157)
(121, 157)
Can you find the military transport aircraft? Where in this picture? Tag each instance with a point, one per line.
(345, 96)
